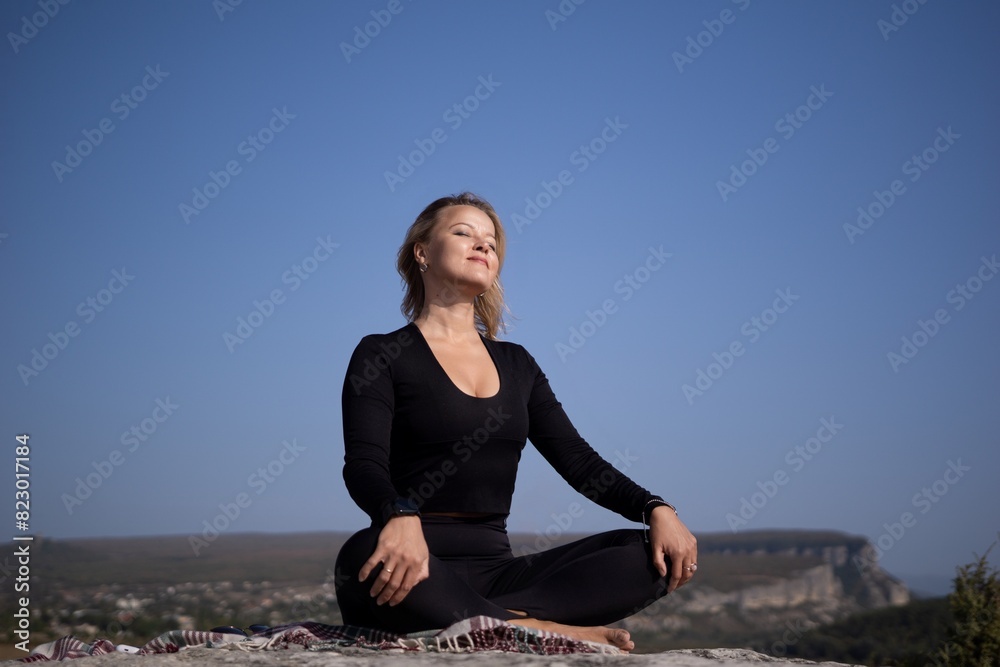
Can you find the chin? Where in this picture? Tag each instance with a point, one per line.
(477, 282)
(475, 289)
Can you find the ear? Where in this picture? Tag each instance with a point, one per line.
(420, 253)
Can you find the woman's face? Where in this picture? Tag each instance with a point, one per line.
(461, 250)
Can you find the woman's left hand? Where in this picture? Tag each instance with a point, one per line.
(671, 542)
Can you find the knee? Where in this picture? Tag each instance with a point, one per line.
(629, 536)
(633, 540)
(354, 552)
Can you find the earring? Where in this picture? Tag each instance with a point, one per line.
(423, 268)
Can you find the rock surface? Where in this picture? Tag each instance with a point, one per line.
(724, 657)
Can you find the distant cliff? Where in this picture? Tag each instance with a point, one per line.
(772, 583)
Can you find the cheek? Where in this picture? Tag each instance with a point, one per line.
(441, 249)
(456, 248)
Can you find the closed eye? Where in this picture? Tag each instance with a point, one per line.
(492, 246)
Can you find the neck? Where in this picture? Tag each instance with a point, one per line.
(455, 323)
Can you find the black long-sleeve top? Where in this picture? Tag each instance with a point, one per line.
(410, 432)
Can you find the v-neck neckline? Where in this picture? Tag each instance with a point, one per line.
(489, 350)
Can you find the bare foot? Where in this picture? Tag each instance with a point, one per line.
(599, 634)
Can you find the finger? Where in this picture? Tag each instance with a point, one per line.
(659, 563)
(387, 581)
(676, 574)
(383, 577)
(401, 592)
(377, 586)
(688, 572)
(369, 565)
(412, 577)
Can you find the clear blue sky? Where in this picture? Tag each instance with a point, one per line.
(655, 139)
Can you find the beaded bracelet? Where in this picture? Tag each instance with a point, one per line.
(660, 503)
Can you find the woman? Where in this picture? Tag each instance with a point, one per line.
(435, 415)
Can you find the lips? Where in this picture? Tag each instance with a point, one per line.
(480, 259)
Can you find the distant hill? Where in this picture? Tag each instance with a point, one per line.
(173, 559)
(750, 588)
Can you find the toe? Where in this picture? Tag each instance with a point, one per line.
(622, 639)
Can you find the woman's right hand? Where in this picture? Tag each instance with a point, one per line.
(403, 550)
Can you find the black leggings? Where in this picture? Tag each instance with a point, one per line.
(593, 581)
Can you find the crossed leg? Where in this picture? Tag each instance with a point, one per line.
(574, 589)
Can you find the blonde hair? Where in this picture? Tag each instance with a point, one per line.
(489, 307)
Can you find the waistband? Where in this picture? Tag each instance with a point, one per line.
(467, 537)
(491, 520)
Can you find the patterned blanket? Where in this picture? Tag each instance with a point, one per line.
(480, 633)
